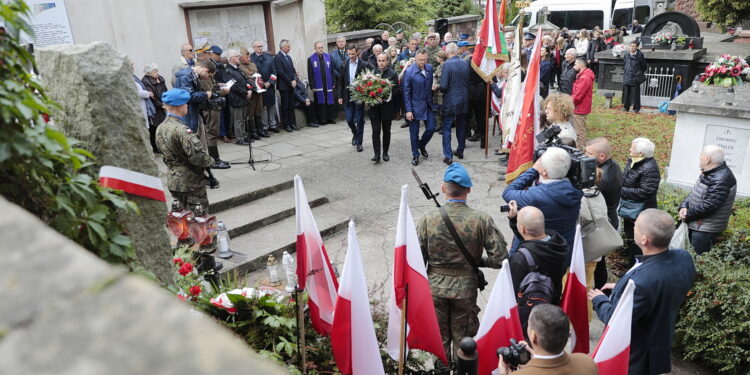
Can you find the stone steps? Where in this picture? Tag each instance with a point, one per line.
(261, 221)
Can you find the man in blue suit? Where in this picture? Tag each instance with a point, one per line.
(454, 83)
(662, 279)
(558, 199)
(355, 111)
(417, 85)
(286, 83)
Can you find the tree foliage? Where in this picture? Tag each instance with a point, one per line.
(450, 8)
(725, 13)
(348, 15)
(43, 171)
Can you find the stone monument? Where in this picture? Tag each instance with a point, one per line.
(94, 86)
(702, 121)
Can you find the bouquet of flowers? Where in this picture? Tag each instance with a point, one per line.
(370, 89)
(726, 71)
(663, 38)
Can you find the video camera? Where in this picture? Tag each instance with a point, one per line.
(514, 355)
(215, 103)
(582, 172)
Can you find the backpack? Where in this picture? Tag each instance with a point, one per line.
(536, 288)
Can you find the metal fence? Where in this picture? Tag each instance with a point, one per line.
(658, 86)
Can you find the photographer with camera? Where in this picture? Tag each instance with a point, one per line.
(555, 195)
(452, 239)
(548, 331)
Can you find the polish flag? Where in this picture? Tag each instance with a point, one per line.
(314, 270)
(353, 340)
(410, 282)
(132, 182)
(574, 298)
(500, 322)
(612, 354)
(491, 50)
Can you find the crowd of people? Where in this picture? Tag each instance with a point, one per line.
(433, 83)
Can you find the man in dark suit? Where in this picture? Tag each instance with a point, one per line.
(662, 279)
(287, 82)
(548, 333)
(454, 83)
(238, 97)
(417, 84)
(355, 111)
(381, 115)
(264, 62)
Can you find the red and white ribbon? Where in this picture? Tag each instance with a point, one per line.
(132, 182)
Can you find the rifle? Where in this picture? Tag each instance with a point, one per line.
(425, 188)
(213, 183)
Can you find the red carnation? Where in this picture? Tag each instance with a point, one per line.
(372, 94)
(369, 83)
(380, 90)
(195, 290)
(177, 261)
(185, 269)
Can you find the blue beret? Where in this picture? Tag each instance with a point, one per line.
(175, 97)
(529, 36)
(215, 49)
(463, 43)
(457, 174)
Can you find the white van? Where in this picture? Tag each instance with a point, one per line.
(625, 11)
(573, 14)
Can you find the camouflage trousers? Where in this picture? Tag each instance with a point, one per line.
(457, 318)
(190, 199)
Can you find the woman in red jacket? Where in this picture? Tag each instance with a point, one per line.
(583, 90)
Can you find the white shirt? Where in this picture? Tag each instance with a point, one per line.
(352, 70)
(549, 356)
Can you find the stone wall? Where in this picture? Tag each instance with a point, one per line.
(467, 23)
(357, 37)
(688, 7)
(65, 311)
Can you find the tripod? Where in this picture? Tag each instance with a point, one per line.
(251, 161)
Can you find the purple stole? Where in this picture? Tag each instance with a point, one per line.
(317, 82)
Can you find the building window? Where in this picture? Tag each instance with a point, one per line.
(230, 26)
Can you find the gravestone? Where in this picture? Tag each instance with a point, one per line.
(703, 120)
(676, 23)
(94, 86)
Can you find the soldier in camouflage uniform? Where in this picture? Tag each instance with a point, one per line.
(401, 42)
(452, 280)
(437, 95)
(433, 47)
(182, 152)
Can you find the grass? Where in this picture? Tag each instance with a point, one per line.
(622, 127)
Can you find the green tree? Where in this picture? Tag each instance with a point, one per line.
(43, 171)
(725, 13)
(450, 8)
(348, 15)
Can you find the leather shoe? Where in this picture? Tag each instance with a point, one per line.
(423, 151)
(294, 127)
(263, 133)
(376, 159)
(255, 136)
(242, 142)
(313, 125)
(472, 138)
(459, 155)
(447, 161)
(360, 148)
(289, 129)
(482, 144)
(331, 122)
(415, 161)
(354, 140)
(386, 157)
(275, 130)
(220, 164)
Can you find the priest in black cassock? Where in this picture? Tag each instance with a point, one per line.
(321, 83)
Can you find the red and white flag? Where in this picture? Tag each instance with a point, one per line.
(612, 354)
(490, 51)
(353, 340)
(132, 182)
(574, 299)
(410, 283)
(500, 322)
(314, 271)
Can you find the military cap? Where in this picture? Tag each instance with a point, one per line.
(457, 174)
(216, 49)
(528, 36)
(203, 49)
(175, 97)
(399, 31)
(244, 51)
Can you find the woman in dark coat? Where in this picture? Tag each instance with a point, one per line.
(597, 44)
(546, 71)
(640, 183)
(157, 85)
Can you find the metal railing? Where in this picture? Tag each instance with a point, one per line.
(658, 86)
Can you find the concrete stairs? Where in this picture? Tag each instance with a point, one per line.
(261, 221)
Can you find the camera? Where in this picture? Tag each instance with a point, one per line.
(515, 354)
(582, 172)
(505, 208)
(215, 103)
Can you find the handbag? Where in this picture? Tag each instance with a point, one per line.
(599, 238)
(482, 282)
(630, 209)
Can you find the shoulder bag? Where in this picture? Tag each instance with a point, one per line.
(599, 237)
(480, 275)
(630, 209)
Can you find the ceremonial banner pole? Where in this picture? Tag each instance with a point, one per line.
(487, 122)
(301, 325)
(402, 344)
